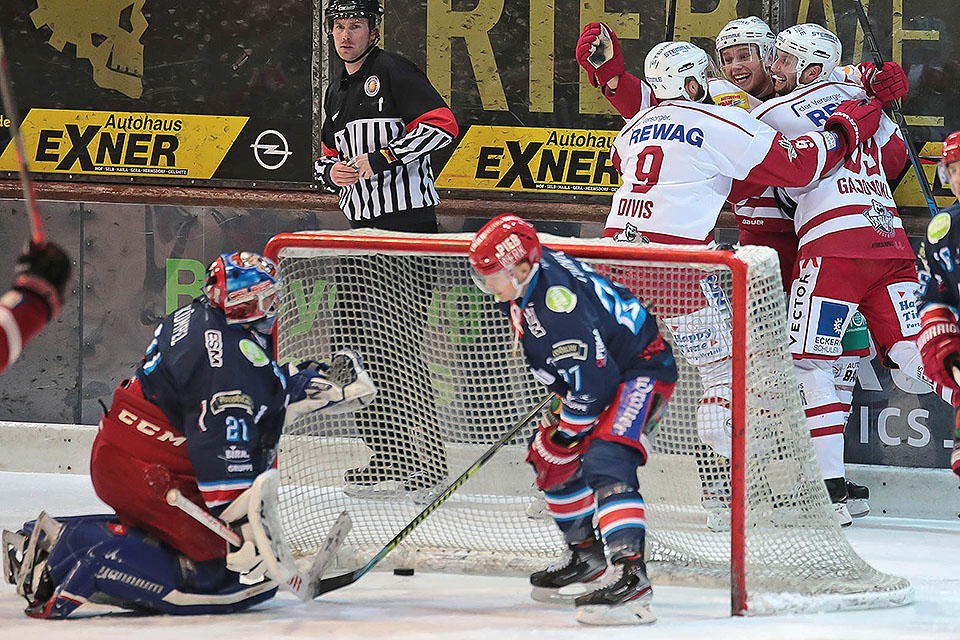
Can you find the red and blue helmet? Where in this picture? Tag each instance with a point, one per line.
(245, 285)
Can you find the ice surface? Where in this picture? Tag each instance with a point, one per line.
(448, 606)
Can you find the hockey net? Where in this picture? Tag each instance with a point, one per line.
(452, 382)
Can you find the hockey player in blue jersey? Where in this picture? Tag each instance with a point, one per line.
(939, 299)
(590, 341)
(202, 414)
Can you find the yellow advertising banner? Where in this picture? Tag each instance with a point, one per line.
(116, 142)
(532, 159)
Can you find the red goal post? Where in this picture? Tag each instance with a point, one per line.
(371, 284)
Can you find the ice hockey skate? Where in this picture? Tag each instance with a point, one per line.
(716, 501)
(837, 489)
(623, 599)
(857, 496)
(573, 575)
(25, 559)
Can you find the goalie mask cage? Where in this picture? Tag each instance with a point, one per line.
(451, 383)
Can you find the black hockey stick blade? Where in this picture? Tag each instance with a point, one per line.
(335, 582)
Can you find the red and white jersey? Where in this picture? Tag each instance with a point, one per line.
(761, 214)
(634, 95)
(681, 160)
(22, 316)
(851, 212)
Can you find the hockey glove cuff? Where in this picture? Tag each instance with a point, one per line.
(554, 463)
(856, 121)
(939, 344)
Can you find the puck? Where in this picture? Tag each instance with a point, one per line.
(402, 572)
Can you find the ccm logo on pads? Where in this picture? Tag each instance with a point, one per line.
(149, 429)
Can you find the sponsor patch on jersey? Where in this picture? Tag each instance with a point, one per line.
(213, 341)
(181, 324)
(372, 86)
(252, 352)
(235, 454)
(568, 349)
(533, 322)
(903, 295)
(938, 227)
(561, 299)
(600, 348)
(543, 376)
(831, 317)
(235, 399)
(733, 99)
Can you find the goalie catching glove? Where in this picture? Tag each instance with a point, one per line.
(340, 387)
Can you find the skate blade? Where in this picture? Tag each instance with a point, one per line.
(563, 595)
(620, 614)
(857, 507)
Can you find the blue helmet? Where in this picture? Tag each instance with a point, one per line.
(245, 285)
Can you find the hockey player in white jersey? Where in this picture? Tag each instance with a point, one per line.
(853, 252)
(678, 169)
(598, 52)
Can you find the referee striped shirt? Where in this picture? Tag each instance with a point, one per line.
(387, 109)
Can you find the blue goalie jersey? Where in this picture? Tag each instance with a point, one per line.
(584, 335)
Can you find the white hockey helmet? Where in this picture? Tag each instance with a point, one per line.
(751, 30)
(669, 64)
(811, 44)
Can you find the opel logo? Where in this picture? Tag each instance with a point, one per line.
(270, 149)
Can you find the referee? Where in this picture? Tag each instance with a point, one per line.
(382, 120)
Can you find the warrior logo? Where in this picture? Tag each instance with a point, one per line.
(105, 32)
(881, 219)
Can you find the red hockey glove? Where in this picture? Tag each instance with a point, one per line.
(887, 84)
(554, 463)
(856, 121)
(43, 270)
(939, 343)
(598, 52)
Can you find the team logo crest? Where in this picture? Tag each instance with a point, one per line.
(881, 219)
(372, 86)
(630, 234)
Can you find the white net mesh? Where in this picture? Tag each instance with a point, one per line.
(450, 385)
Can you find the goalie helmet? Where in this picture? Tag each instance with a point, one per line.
(751, 30)
(342, 9)
(948, 155)
(669, 64)
(811, 44)
(245, 285)
(499, 247)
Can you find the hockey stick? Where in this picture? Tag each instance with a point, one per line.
(335, 582)
(300, 584)
(13, 121)
(897, 113)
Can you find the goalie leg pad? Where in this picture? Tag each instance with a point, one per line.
(98, 559)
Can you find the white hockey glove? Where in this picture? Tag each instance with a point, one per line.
(264, 554)
(340, 387)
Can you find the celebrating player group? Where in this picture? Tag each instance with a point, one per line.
(797, 144)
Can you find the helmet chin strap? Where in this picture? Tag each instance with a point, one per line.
(519, 288)
(359, 57)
